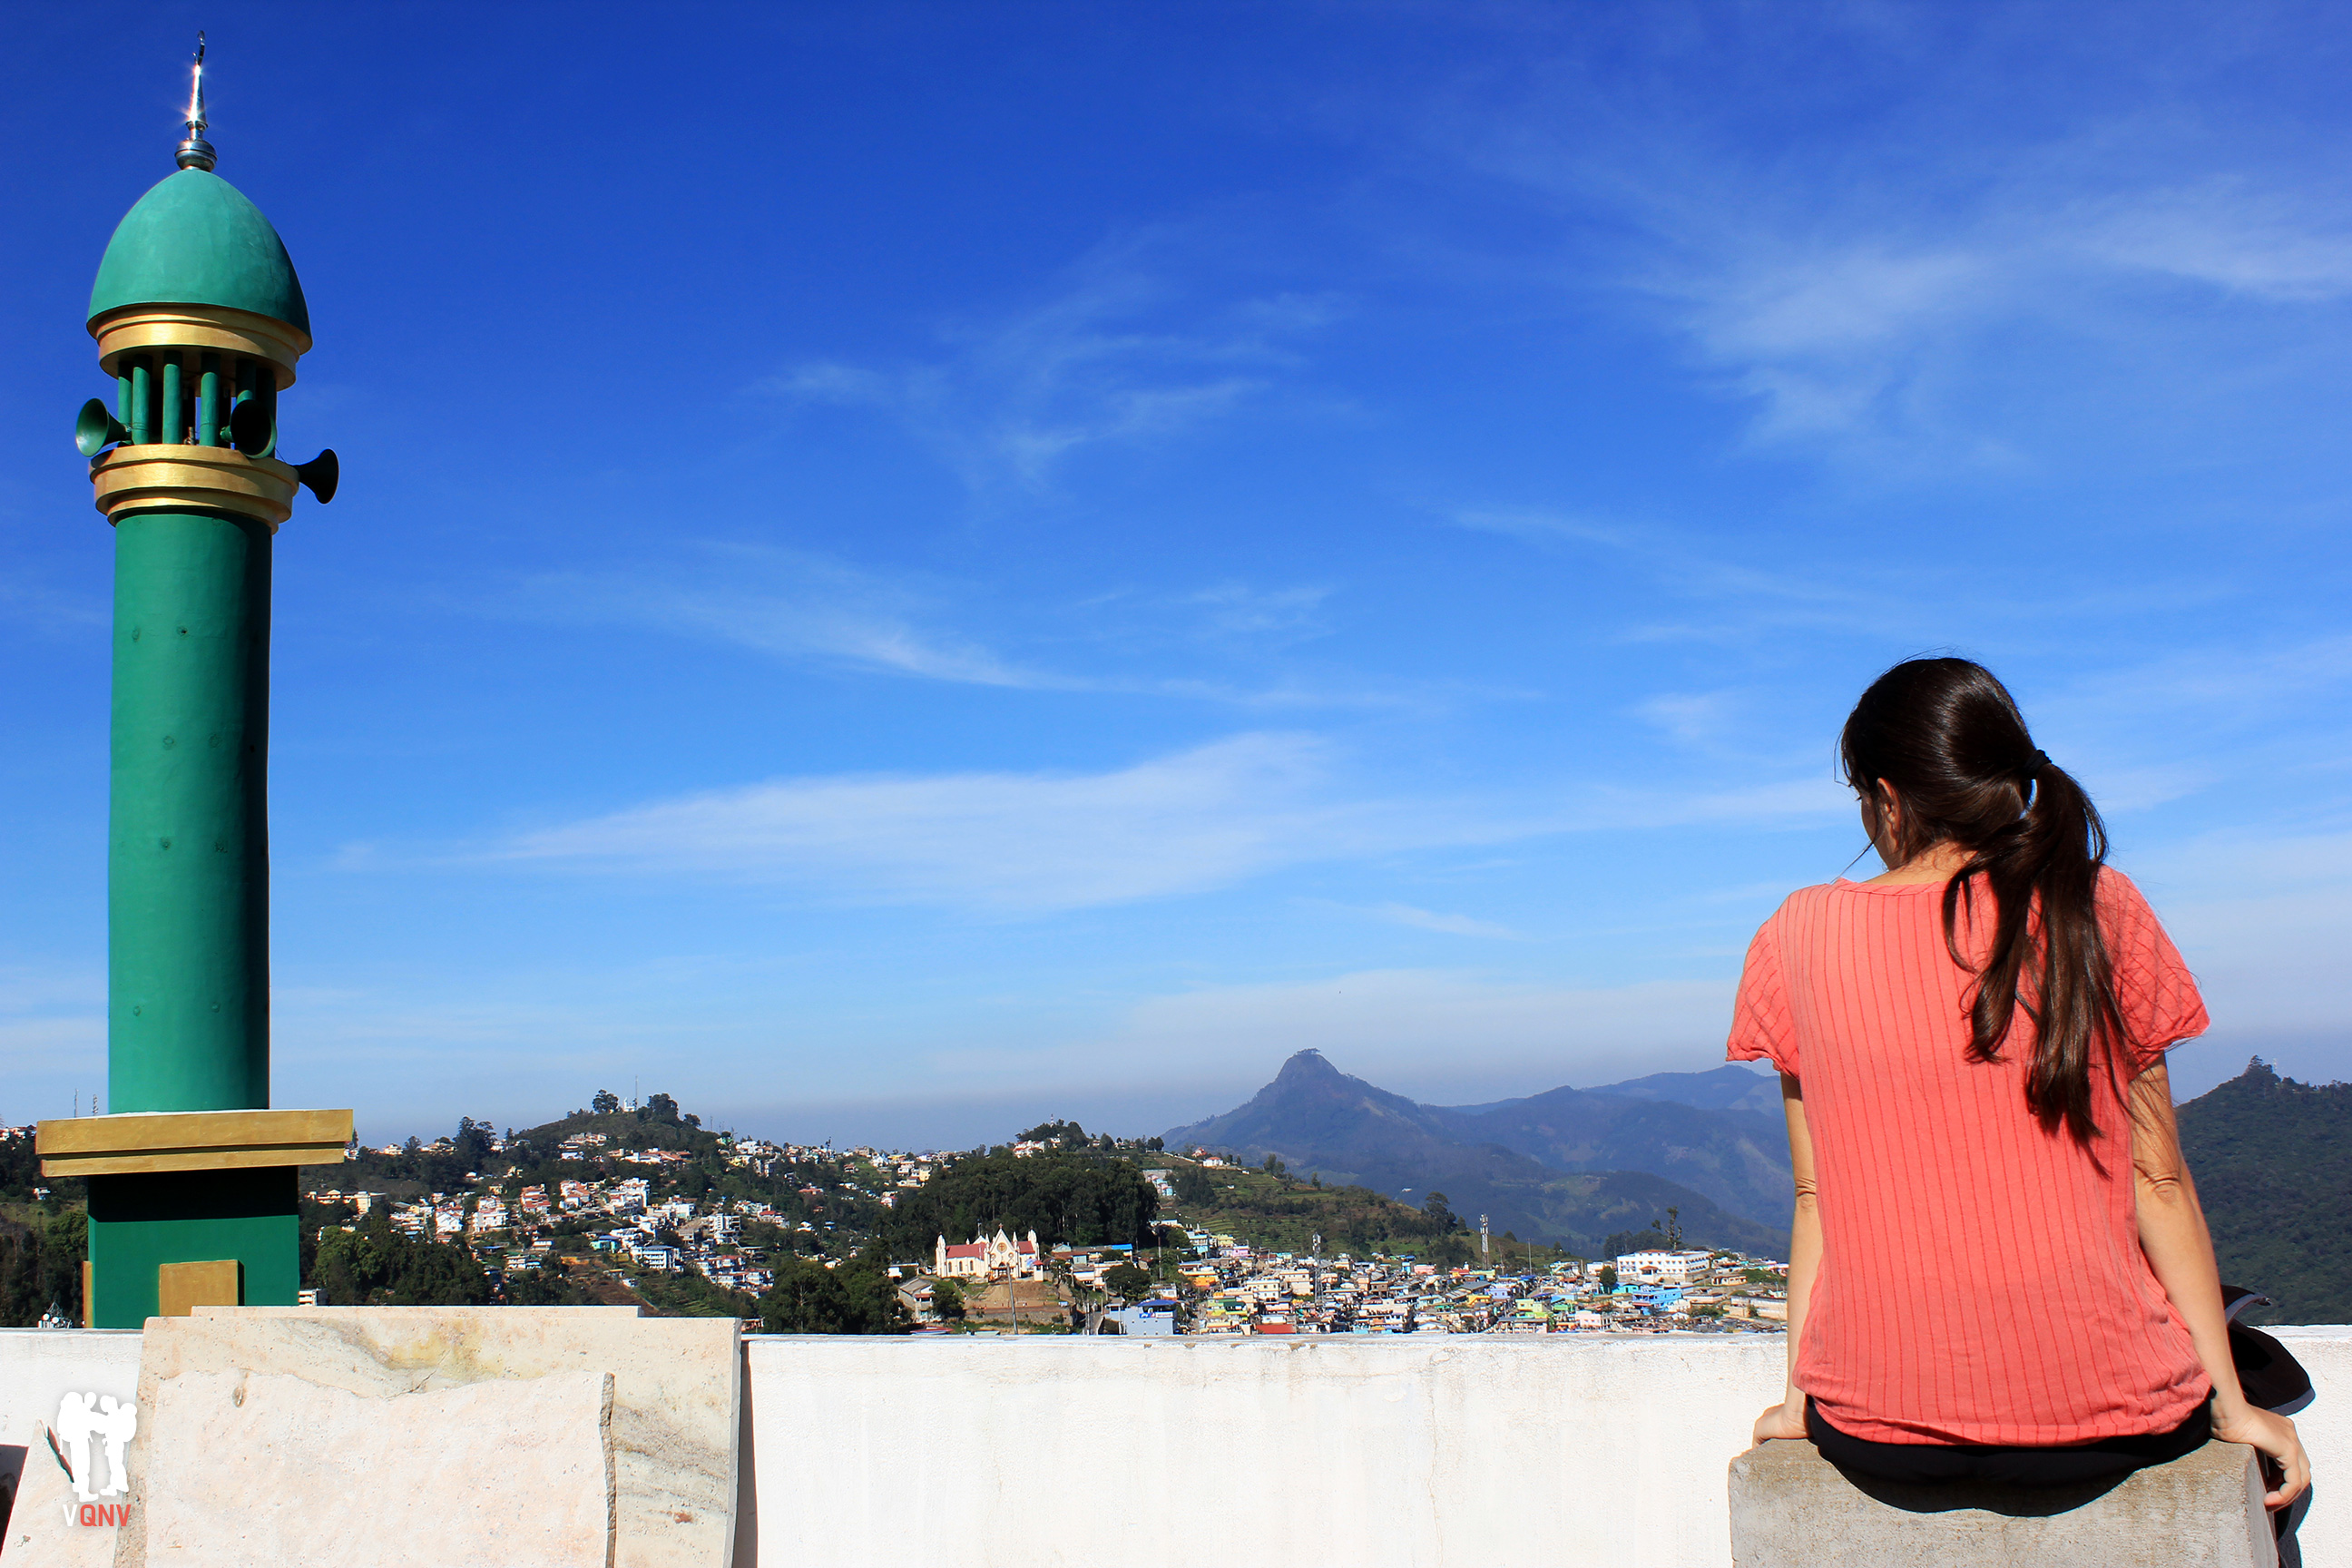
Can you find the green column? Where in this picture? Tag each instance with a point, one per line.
(209, 401)
(188, 858)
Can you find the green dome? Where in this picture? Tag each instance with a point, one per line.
(196, 240)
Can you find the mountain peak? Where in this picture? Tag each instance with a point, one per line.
(1309, 1063)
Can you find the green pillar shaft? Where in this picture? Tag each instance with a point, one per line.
(172, 428)
(208, 402)
(188, 860)
(143, 403)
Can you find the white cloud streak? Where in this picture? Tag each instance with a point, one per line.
(1033, 843)
(807, 608)
(1120, 356)
(1019, 842)
(1432, 920)
(1908, 298)
(790, 604)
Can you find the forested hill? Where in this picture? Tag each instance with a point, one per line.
(2272, 1163)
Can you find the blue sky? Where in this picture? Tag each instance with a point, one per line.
(906, 569)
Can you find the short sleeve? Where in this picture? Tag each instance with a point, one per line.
(2153, 989)
(1763, 1026)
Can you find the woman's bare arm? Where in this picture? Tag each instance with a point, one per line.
(1787, 1419)
(2180, 1252)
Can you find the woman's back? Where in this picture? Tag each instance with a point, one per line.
(1982, 1279)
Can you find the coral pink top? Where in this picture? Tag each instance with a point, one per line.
(1981, 1280)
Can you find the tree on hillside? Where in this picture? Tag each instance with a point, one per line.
(605, 1103)
(947, 1302)
(858, 1298)
(1127, 1280)
(472, 1144)
(40, 1266)
(659, 1108)
(1435, 1207)
(1193, 1186)
(549, 1285)
(1622, 1242)
(376, 1266)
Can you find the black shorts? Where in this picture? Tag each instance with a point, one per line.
(1927, 1463)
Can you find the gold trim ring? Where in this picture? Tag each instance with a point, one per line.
(201, 479)
(143, 329)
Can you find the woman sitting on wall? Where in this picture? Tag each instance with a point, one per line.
(1998, 1269)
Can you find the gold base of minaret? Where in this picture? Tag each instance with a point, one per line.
(195, 479)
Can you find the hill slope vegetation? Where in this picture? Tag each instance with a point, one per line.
(2272, 1163)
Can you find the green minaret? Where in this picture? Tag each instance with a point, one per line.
(200, 320)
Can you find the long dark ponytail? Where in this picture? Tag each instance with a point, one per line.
(1949, 741)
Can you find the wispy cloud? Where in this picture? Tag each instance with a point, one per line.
(1240, 610)
(808, 608)
(1125, 353)
(1908, 292)
(1431, 919)
(1021, 842)
(1741, 597)
(792, 604)
(1039, 842)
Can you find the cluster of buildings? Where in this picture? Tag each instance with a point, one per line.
(617, 1216)
(1235, 1290)
(621, 1214)
(893, 1173)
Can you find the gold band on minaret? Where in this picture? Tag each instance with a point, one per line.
(214, 328)
(199, 479)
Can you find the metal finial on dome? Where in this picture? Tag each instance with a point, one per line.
(195, 153)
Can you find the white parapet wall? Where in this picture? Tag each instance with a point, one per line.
(1434, 1451)
(1366, 1450)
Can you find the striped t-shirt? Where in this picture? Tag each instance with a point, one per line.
(1981, 1280)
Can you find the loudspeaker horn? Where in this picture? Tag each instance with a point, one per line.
(251, 430)
(321, 473)
(95, 430)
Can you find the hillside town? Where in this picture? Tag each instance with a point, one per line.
(622, 1212)
(628, 1212)
(1233, 1289)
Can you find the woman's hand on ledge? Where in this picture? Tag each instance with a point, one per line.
(1789, 1421)
(2273, 1436)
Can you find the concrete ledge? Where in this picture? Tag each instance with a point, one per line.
(1371, 1451)
(1792, 1509)
(143, 1142)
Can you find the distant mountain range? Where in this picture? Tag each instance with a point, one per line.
(1571, 1166)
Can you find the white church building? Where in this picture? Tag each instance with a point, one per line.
(998, 1254)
